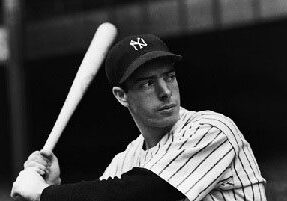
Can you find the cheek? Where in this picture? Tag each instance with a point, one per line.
(143, 104)
(175, 90)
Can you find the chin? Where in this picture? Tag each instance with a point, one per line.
(172, 121)
(168, 121)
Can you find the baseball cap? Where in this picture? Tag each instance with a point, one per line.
(132, 52)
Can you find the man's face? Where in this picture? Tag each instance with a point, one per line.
(153, 95)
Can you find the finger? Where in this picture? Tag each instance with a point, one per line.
(41, 172)
(39, 159)
(49, 156)
(39, 168)
(35, 164)
(32, 155)
(28, 173)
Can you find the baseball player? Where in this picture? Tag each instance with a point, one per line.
(178, 155)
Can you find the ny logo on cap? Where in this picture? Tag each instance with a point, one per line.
(139, 44)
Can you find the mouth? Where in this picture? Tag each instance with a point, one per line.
(167, 107)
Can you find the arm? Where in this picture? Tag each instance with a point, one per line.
(137, 184)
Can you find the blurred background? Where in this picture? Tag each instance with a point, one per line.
(234, 63)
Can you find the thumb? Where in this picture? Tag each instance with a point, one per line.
(48, 156)
(46, 153)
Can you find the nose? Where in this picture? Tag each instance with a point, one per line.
(164, 91)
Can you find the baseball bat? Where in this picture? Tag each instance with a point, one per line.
(94, 57)
(89, 67)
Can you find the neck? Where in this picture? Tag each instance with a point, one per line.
(152, 135)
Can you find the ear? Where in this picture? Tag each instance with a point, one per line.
(120, 95)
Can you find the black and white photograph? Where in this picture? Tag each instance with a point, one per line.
(143, 100)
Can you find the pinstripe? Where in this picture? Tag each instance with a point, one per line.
(225, 126)
(171, 161)
(195, 155)
(253, 174)
(199, 165)
(210, 170)
(184, 133)
(180, 159)
(157, 149)
(237, 141)
(227, 136)
(260, 187)
(233, 192)
(222, 195)
(259, 191)
(167, 138)
(250, 165)
(211, 197)
(188, 138)
(183, 127)
(145, 156)
(239, 156)
(172, 141)
(203, 136)
(183, 116)
(242, 186)
(207, 173)
(244, 169)
(254, 160)
(258, 171)
(172, 138)
(186, 123)
(161, 156)
(226, 179)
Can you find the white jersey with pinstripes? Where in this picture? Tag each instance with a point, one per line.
(204, 156)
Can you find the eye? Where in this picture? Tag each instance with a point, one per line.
(146, 84)
(170, 77)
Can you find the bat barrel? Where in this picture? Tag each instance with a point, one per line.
(90, 65)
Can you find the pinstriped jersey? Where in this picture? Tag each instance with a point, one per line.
(204, 156)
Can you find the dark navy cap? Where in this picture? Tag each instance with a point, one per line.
(132, 52)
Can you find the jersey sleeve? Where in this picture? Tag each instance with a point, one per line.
(197, 157)
(123, 161)
(112, 170)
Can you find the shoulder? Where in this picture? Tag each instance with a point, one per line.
(214, 119)
(205, 120)
(206, 117)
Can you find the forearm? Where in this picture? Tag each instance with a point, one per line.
(138, 184)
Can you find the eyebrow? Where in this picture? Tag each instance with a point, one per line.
(152, 76)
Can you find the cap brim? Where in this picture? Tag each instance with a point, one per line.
(148, 57)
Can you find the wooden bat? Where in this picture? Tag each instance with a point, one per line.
(94, 57)
(89, 67)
